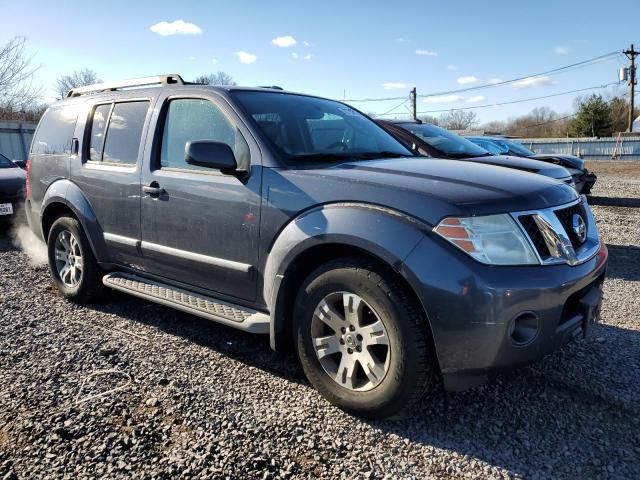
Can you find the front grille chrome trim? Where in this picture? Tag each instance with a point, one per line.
(557, 239)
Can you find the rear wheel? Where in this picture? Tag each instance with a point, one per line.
(74, 269)
(362, 340)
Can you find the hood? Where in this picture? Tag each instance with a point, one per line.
(525, 164)
(11, 180)
(567, 161)
(427, 188)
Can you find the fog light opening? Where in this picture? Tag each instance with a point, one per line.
(524, 328)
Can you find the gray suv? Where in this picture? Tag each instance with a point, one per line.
(299, 217)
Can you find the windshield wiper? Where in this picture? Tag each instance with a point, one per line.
(382, 154)
(349, 156)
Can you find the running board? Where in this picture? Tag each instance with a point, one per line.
(206, 307)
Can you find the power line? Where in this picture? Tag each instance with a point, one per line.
(505, 82)
(518, 101)
(572, 66)
(551, 121)
(397, 106)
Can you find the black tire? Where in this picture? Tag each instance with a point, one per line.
(89, 287)
(412, 367)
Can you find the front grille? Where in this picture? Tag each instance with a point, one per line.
(550, 231)
(536, 237)
(565, 216)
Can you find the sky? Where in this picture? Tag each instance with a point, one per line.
(348, 49)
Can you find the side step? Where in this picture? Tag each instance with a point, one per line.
(216, 310)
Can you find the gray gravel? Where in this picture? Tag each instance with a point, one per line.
(132, 388)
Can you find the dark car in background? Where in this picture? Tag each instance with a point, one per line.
(12, 180)
(437, 142)
(583, 178)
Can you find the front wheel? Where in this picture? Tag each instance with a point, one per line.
(361, 339)
(74, 269)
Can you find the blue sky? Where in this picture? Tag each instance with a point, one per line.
(361, 49)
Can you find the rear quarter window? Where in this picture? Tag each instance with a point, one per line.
(55, 131)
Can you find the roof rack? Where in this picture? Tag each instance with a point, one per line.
(272, 87)
(168, 79)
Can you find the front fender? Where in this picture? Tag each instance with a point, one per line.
(69, 194)
(384, 233)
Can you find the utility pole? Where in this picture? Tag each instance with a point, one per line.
(631, 55)
(414, 102)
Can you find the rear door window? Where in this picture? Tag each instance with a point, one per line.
(55, 131)
(124, 132)
(116, 132)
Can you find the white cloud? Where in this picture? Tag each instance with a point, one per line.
(560, 50)
(426, 53)
(401, 40)
(214, 61)
(306, 44)
(467, 80)
(295, 56)
(442, 99)
(476, 99)
(493, 81)
(177, 27)
(533, 82)
(395, 85)
(451, 67)
(284, 42)
(246, 57)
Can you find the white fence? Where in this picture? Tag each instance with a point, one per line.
(15, 139)
(623, 148)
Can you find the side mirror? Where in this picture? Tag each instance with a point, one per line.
(20, 163)
(210, 154)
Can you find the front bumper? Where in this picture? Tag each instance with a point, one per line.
(472, 308)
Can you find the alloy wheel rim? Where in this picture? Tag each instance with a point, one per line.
(350, 341)
(68, 258)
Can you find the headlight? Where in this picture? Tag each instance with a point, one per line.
(492, 239)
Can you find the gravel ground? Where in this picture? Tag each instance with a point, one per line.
(128, 387)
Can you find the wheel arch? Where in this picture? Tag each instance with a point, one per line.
(347, 231)
(64, 197)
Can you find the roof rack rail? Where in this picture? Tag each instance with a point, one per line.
(167, 79)
(272, 87)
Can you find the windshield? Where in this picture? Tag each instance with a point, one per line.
(308, 129)
(518, 148)
(445, 141)
(5, 162)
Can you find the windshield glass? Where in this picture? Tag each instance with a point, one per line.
(303, 129)
(5, 162)
(445, 141)
(518, 148)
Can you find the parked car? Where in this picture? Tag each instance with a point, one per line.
(583, 178)
(438, 142)
(301, 218)
(12, 181)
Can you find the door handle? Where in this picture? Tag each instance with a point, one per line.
(153, 190)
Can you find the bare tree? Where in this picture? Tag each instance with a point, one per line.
(220, 78)
(458, 120)
(79, 78)
(495, 126)
(16, 76)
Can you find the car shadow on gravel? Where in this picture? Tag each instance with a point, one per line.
(249, 349)
(624, 262)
